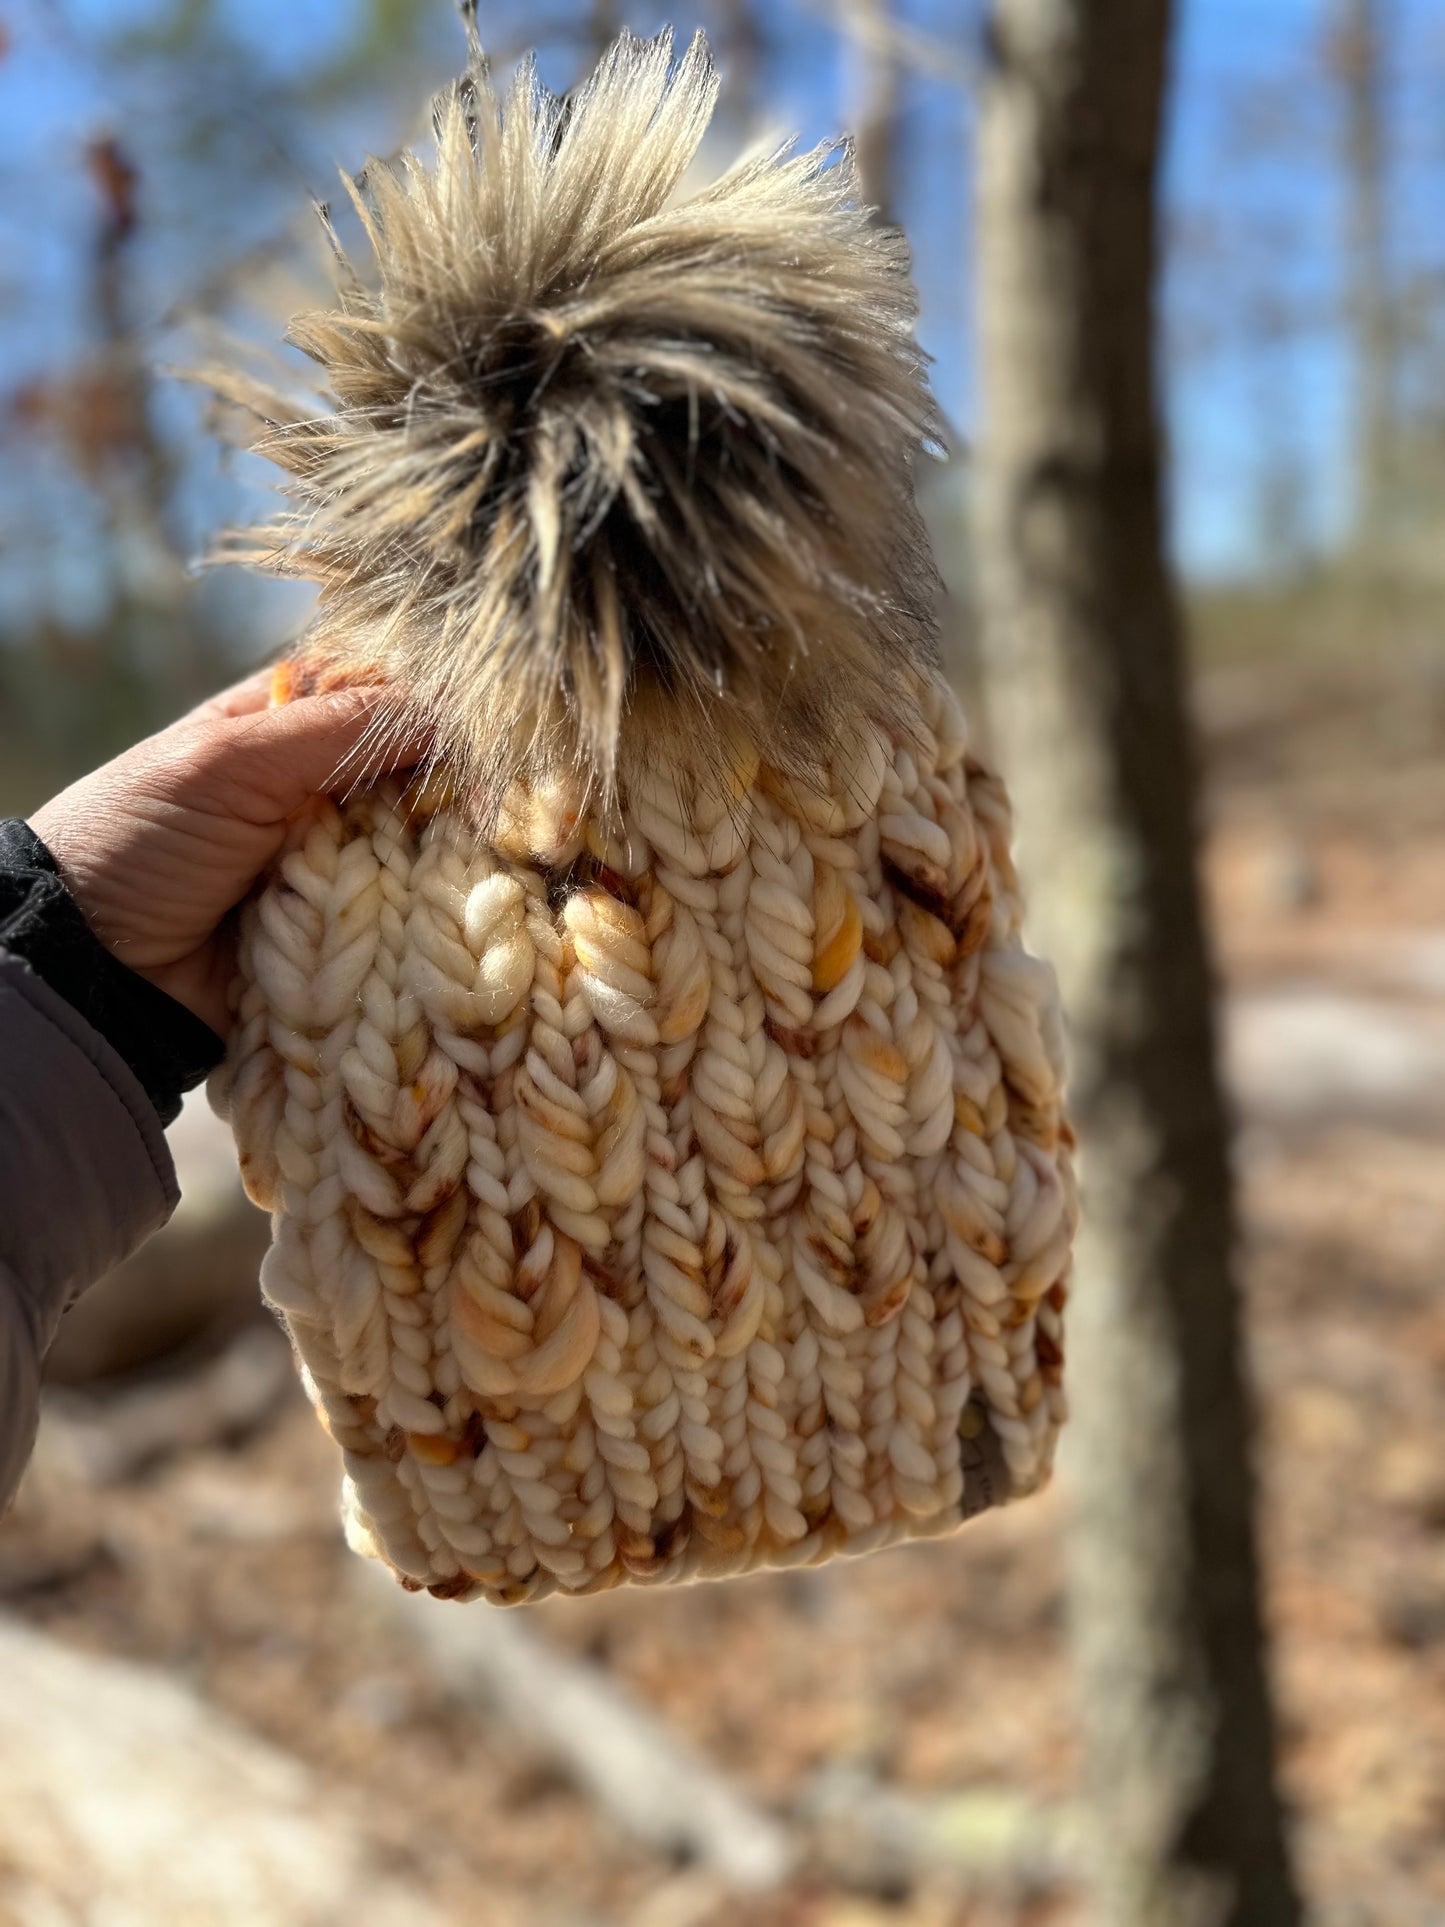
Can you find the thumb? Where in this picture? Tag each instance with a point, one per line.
(281, 757)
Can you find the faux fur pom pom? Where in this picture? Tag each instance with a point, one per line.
(611, 474)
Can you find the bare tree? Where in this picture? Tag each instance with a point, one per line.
(873, 100)
(602, 26)
(740, 42)
(136, 472)
(1359, 61)
(1082, 635)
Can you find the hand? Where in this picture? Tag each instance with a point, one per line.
(160, 844)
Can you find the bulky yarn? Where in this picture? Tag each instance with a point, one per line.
(673, 1202)
(660, 1114)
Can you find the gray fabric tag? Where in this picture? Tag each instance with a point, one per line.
(986, 1481)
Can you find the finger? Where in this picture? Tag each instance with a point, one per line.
(243, 698)
(280, 757)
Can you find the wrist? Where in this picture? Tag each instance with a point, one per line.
(83, 871)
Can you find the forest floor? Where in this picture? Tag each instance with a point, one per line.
(910, 1719)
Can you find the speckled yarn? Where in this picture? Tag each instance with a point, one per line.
(663, 1196)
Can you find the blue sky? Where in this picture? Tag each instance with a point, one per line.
(1252, 202)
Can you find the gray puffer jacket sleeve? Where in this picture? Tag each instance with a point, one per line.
(85, 1176)
(93, 1062)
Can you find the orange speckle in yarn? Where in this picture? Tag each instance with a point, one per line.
(283, 684)
(546, 1191)
(835, 958)
(967, 1113)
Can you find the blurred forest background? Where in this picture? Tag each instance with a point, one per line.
(212, 1713)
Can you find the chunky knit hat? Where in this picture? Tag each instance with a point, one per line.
(658, 1111)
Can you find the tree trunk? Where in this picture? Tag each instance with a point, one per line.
(602, 26)
(1082, 638)
(1360, 62)
(873, 101)
(740, 44)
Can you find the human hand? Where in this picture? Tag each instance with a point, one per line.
(158, 845)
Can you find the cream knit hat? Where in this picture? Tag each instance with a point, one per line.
(658, 1111)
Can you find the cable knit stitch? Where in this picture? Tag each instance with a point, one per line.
(669, 1201)
(659, 1112)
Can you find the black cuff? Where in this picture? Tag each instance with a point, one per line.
(169, 1050)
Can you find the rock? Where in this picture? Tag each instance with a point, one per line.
(1297, 1050)
(120, 1783)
